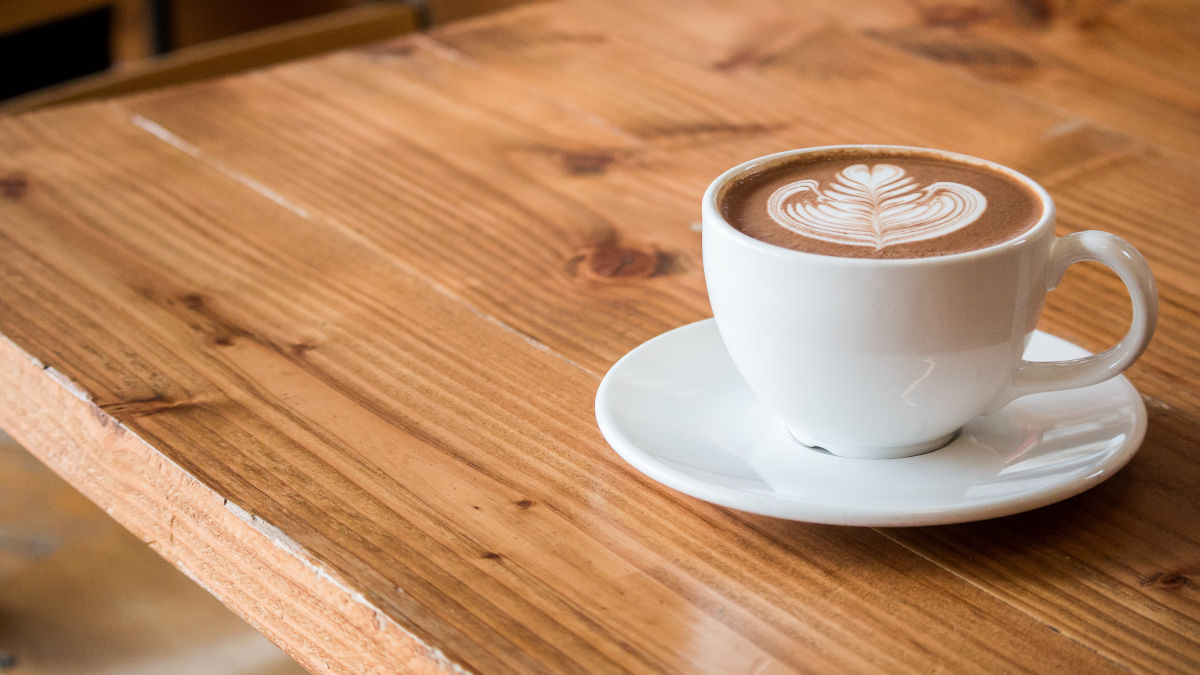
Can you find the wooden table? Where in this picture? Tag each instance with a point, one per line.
(327, 336)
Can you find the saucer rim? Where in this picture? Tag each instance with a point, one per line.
(844, 514)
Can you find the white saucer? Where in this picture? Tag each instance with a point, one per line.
(678, 411)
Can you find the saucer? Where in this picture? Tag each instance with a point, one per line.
(677, 410)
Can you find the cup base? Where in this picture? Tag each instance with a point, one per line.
(888, 452)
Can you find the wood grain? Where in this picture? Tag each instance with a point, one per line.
(358, 306)
(408, 445)
(283, 592)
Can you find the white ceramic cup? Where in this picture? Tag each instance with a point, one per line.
(876, 358)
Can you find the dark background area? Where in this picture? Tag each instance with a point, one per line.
(55, 52)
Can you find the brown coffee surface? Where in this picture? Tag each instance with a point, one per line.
(862, 204)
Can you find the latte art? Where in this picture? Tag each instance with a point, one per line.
(875, 206)
(880, 203)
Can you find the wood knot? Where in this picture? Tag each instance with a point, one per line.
(960, 14)
(14, 185)
(613, 262)
(145, 406)
(1170, 580)
(743, 59)
(491, 555)
(586, 162)
(524, 504)
(989, 60)
(192, 300)
(301, 348)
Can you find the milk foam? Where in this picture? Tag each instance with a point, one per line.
(875, 206)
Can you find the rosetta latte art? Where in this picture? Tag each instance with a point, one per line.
(875, 206)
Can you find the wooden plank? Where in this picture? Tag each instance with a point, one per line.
(1084, 165)
(363, 248)
(279, 589)
(444, 155)
(1122, 67)
(585, 145)
(1130, 66)
(829, 72)
(658, 176)
(1135, 192)
(821, 82)
(188, 336)
(639, 160)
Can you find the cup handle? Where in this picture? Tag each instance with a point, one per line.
(1119, 255)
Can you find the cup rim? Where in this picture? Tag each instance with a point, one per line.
(712, 214)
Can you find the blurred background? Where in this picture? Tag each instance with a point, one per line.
(58, 51)
(78, 593)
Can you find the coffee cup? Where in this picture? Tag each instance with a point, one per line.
(877, 298)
